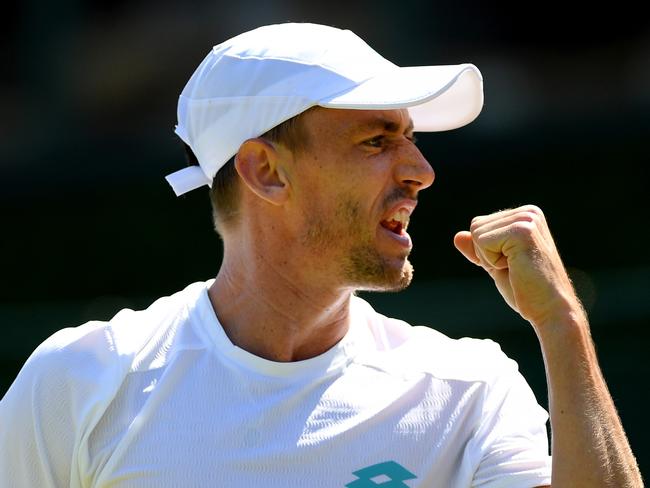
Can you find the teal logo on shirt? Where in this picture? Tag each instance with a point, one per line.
(388, 474)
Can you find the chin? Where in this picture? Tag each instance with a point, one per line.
(376, 273)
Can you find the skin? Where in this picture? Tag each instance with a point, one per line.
(589, 445)
(283, 291)
(310, 235)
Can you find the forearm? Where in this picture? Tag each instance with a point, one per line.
(589, 445)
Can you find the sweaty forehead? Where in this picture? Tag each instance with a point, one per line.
(389, 123)
(362, 121)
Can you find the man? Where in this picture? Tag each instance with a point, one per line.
(275, 374)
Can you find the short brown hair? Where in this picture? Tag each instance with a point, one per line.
(224, 194)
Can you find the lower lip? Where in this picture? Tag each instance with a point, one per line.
(403, 239)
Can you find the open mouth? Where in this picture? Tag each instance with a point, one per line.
(393, 226)
(398, 222)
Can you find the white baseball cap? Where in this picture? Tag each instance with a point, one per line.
(249, 84)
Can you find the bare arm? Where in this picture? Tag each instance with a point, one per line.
(589, 446)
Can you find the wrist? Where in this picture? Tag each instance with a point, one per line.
(567, 314)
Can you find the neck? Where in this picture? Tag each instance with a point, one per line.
(270, 310)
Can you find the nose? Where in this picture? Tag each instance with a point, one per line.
(413, 170)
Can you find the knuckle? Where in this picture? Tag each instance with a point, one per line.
(476, 222)
(524, 228)
(528, 217)
(534, 210)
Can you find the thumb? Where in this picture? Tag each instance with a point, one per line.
(463, 242)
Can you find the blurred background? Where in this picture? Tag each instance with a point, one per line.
(89, 226)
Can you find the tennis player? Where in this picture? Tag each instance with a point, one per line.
(274, 374)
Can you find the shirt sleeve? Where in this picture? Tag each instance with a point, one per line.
(42, 414)
(512, 438)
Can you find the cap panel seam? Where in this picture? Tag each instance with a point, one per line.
(294, 60)
(238, 97)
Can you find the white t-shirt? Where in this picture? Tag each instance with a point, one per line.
(161, 398)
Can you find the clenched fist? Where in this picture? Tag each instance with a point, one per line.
(517, 250)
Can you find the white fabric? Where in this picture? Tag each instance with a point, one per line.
(187, 179)
(258, 79)
(161, 398)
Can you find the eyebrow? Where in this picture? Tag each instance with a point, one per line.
(386, 124)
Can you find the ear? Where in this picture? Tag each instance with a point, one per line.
(258, 165)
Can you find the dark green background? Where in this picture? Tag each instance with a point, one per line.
(88, 97)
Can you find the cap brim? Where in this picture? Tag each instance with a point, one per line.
(438, 97)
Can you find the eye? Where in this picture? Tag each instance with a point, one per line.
(377, 141)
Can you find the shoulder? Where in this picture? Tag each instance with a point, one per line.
(96, 355)
(70, 379)
(422, 349)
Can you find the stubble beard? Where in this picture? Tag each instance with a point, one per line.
(361, 265)
(368, 270)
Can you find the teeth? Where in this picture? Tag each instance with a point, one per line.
(402, 216)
